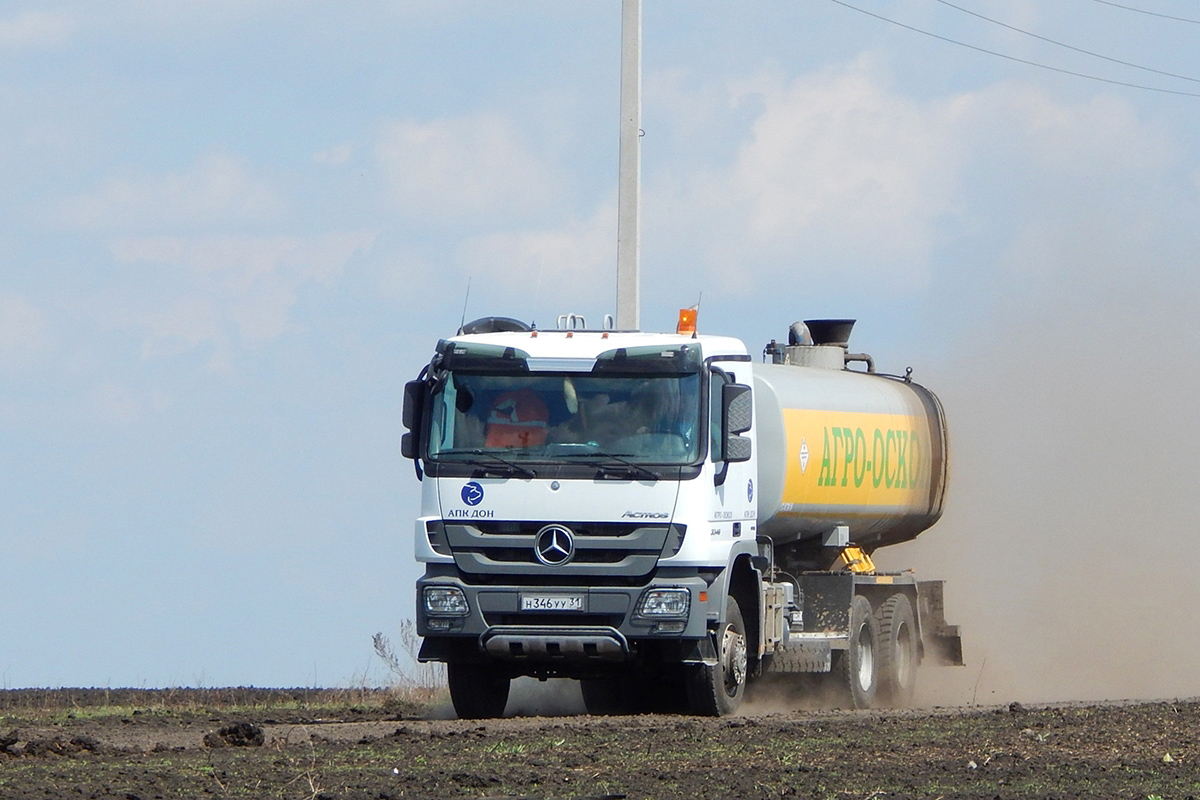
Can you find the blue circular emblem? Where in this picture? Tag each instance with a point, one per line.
(472, 494)
(750, 491)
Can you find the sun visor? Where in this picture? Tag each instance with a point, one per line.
(683, 360)
(482, 357)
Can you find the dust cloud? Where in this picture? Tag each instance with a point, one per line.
(1069, 545)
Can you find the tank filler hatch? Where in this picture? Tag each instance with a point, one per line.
(820, 343)
(827, 332)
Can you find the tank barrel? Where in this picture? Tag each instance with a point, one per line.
(841, 447)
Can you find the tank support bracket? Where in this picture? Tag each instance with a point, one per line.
(855, 559)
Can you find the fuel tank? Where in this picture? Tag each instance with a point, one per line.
(845, 447)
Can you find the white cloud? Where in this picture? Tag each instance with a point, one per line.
(146, 18)
(548, 268)
(228, 290)
(114, 403)
(838, 174)
(217, 188)
(336, 155)
(453, 169)
(23, 331)
(840, 153)
(1101, 136)
(1083, 193)
(35, 29)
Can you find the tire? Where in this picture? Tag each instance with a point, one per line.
(858, 667)
(476, 691)
(898, 653)
(715, 691)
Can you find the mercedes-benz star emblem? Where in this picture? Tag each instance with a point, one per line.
(554, 545)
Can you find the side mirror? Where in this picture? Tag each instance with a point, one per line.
(414, 402)
(737, 416)
(414, 408)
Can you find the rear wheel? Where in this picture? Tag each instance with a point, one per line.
(857, 667)
(898, 658)
(717, 690)
(476, 691)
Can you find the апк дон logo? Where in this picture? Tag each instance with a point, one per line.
(472, 494)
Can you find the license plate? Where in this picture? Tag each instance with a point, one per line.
(552, 602)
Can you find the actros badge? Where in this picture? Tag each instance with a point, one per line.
(472, 494)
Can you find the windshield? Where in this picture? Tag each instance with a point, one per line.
(547, 417)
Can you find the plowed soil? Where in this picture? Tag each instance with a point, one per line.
(306, 744)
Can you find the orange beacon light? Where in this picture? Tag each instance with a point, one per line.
(687, 321)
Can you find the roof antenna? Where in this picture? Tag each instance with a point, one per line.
(463, 323)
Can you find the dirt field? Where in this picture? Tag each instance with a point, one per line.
(326, 744)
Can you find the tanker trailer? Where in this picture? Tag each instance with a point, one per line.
(850, 461)
(842, 447)
(663, 519)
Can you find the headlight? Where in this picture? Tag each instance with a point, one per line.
(659, 603)
(446, 601)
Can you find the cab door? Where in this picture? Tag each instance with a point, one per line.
(731, 451)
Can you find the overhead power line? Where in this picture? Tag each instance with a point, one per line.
(1014, 58)
(1067, 46)
(1149, 13)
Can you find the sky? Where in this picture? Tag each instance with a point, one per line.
(231, 231)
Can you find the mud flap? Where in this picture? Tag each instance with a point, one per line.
(699, 651)
(943, 645)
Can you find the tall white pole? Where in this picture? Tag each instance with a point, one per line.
(629, 192)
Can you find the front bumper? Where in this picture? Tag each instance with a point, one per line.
(605, 629)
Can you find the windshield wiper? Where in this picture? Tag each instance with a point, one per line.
(500, 466)
(623, 469)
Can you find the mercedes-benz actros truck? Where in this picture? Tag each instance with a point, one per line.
(665, 517)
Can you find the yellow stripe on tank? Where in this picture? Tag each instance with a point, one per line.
(860, 459)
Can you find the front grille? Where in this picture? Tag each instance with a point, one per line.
(601, 548)
(515, 555)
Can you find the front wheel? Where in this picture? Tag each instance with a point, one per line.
(476, 691)
(715, 691)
